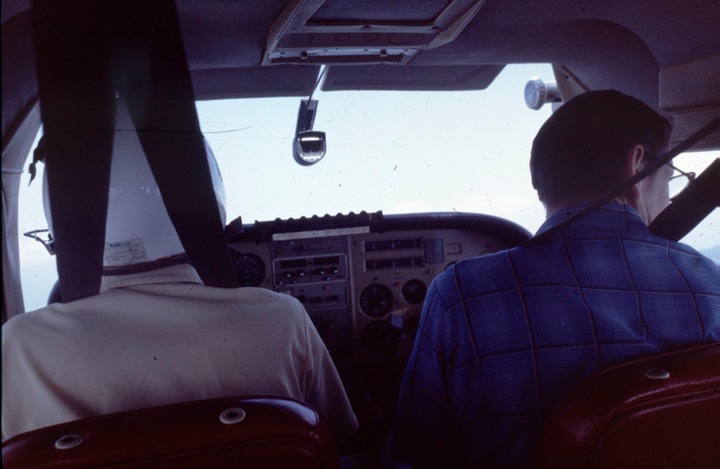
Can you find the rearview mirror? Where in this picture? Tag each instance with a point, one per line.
(310, 146)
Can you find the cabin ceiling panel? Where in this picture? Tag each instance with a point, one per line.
(384, 77)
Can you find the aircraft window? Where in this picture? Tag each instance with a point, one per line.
(398, 152)
(679, 180)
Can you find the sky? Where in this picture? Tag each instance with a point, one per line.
(389, 151)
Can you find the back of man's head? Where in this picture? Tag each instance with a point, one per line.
(579, 152)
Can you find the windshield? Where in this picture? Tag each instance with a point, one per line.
(391, 151)
(399, 152)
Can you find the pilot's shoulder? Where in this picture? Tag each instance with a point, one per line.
(487, 272)
(488, 264)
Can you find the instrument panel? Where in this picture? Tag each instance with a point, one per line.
(362, 277)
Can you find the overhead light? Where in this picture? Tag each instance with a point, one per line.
(304, 34)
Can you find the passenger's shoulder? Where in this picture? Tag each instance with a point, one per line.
(28, 323)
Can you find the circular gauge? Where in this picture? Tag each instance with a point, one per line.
(414, 291)
(249, 269)
(376, 300)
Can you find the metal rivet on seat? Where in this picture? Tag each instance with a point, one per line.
(656, 373)
(69, 441)
(232, 415)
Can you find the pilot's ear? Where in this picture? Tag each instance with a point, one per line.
(633, 165)
(635, 159)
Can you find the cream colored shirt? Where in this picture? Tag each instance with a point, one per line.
(162, 337)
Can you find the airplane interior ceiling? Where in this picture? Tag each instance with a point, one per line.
(663, 53)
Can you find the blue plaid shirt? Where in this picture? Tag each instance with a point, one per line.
(504, 337)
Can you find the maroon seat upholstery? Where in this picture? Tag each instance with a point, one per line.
(657, 412)
(251, 432)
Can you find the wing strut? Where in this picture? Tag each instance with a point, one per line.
(691, 206)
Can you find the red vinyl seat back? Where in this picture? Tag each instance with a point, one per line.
(252, 432)
(657, 412)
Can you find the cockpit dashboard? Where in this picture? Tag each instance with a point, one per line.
(362, 278)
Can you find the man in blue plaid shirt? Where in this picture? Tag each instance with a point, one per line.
(503, 338)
